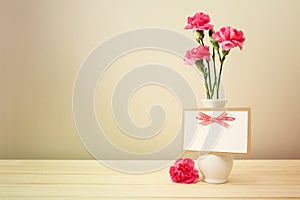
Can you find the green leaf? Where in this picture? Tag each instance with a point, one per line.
(200, 65)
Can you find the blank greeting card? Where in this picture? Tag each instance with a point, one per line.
(223, 131)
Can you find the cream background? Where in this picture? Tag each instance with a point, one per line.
(44, 42)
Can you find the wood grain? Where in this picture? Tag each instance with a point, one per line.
(74, 179)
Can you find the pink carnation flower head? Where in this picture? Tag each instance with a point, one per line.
(183, 171)
(200, 21)
(196, 54)
(229, 38)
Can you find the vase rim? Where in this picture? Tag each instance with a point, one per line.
(214, 99)
(214, 103)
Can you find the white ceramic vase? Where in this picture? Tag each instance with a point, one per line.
(215, 168)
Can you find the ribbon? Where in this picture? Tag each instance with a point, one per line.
(206, 119)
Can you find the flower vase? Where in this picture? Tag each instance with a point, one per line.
(215, 168)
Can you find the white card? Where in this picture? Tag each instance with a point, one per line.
(222, 131)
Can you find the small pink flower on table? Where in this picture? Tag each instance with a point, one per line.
(196, 54)
(229, 38)
(183, 171)
(200, 21)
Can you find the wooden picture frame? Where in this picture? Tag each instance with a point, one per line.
(219, 131)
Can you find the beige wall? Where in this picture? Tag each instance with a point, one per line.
(44, 42)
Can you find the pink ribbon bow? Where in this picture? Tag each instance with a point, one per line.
(206, 119)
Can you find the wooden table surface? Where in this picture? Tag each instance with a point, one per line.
(88, 179)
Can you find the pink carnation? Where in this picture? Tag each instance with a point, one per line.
(200, 21)
(196, 54)
(183, 171)
(229, 38)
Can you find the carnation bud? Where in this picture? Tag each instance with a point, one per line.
(214, 43)
(200, 34)
(225, 53)
(200, 65)
(211, 32)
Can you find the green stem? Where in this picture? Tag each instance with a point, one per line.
(215, 73)
(209, 78)
(219, 79)
(220, 57)
(206, 86)
(201, 42)
(213, 55)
